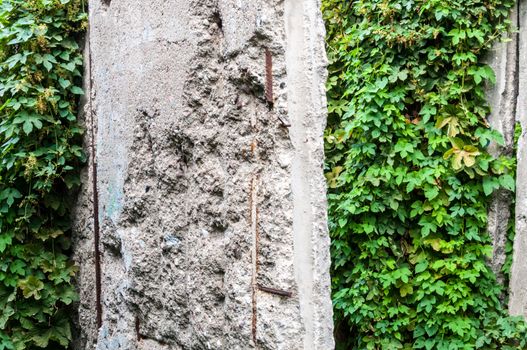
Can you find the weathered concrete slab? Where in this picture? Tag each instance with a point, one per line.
(518, 284)
(502, 97)
(210, 197)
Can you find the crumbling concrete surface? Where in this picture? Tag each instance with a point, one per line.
(518, 285)
(502, 96)
(209, 119)
(509, 102)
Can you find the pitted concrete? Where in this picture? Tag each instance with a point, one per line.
(502, 96)
(518, 284)
(508, 99)
(206, 193)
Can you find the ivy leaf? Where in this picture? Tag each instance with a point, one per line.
(18, 267)
(28, 121)
(62, 332)
(9, 195)
(65, 55)
(68, 296)
(48, 60)
(6, 343)
(404, 148)
(457, 161)
(77, 90)
(427, 112)
(49, 67)
(64, 83)
(403, 75)
(457, 35)
(71, 66)
(31, 287)
(406, 289)
(482, 73)
(431, 193)
(5, 241)
(508, 182)
(452, 123)
(42, 339)
(6, 313)
(422, 266)
(489, 185)
(427, 227)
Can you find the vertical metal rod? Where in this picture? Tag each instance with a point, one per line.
(254, 229)
(269, 77)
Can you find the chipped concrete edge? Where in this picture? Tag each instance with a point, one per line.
(307, 71)
(518, 283)
(502, 97)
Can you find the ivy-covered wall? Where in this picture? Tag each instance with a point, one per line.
(413, 169)
(411, 177)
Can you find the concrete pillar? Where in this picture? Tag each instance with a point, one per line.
(208, 119)
(518, 284)
(502, 97)
(509, 102)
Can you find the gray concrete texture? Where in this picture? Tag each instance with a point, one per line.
(502, 98)
(518, 284)
(508, 99)
(207, 190)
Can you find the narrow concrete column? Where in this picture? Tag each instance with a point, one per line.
(209, 119)
(518, 284)
(502, 97)
(306, 78)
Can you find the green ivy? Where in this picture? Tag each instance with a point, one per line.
(40, 153)
(410, 176)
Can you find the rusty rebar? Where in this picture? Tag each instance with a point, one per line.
(275, 291)
(269, 77)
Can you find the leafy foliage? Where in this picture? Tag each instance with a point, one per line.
(410, 177)
(40, 150)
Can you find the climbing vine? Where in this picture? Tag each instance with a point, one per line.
(40, 153)
(410, 177)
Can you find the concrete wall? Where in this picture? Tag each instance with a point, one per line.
(503, 100)
(509, 101)
(211, 193)
(518, 287)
